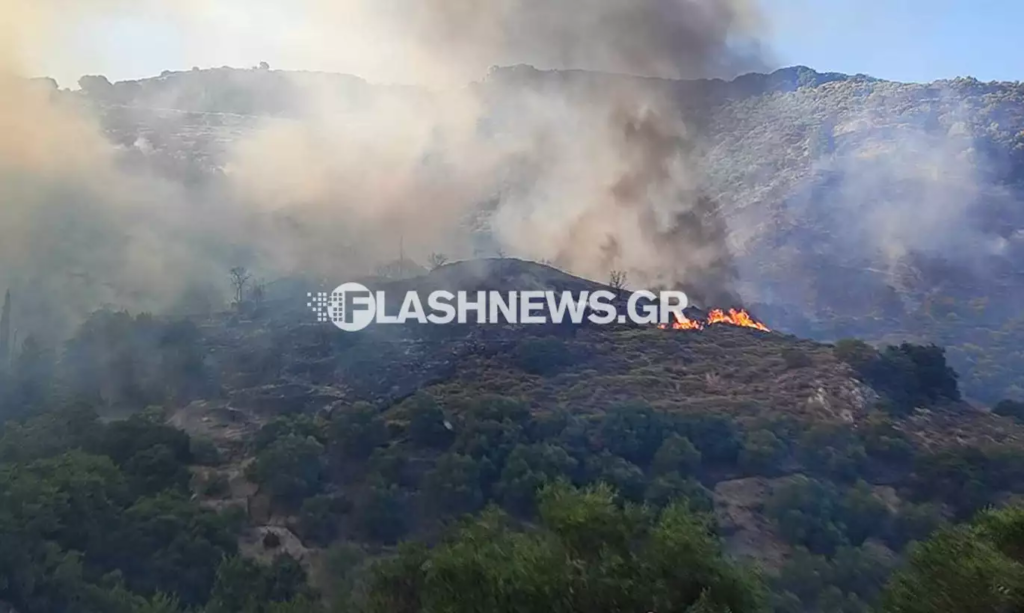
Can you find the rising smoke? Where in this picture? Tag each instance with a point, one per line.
(593, 175)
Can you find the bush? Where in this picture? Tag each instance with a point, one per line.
(383, 516)
(587, 554)
(716, 437)
(357, 430)
(299, 425)
(527, 469)
(427, 424)
(290, 468)
(246, 585)
(673, 488)
(319, 516)
(805, 510)
(973, 567)
(1010, 408)
(676, 455)
(832, 451)
(762, 453)
(633, 431)
(542, 356)
(624, 476)
(795, 358)
(908, 375)
(453, 486)
(856, 353)
(390, 465)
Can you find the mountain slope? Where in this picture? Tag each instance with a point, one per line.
(854, 206)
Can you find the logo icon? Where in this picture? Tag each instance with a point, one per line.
(351, 307)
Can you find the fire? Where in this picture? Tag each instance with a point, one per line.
(732, 317)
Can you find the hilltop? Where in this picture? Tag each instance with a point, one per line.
(855, 206)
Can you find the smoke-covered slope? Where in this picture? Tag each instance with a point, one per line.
(846, 205)
(837, 205)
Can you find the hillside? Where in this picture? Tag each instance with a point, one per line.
(333, 447)
(854, 206)
(216, 449)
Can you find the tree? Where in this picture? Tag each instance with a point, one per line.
(383, 515)
(762, 453)
(970, 568)
(319, 515)
(543, 356)
(617, 280)
(453, 486)
(587, 554)
(290, 468)
(670, 488)
(627, 478)
(677, 454)
(527, 469)
(864, 515)
(633, 431)
(246, 586)
(427, 424)
(806, 512)
(856, 353)
(437, 260)
(239, 282)
(357, 430)
(909, 375)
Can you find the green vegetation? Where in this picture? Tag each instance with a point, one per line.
(975, 567)
(559, 488)
(909, 376)
(98, 518)
(587, 553)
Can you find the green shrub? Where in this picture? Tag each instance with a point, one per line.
(542, 356)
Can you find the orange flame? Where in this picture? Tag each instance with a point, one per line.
(734, 317)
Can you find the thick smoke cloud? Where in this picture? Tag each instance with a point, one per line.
(79, 229)
(663, 38)
(590, 178)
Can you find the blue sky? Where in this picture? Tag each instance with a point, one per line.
(905, 40)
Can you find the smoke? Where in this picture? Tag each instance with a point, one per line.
(562, 169)
(80, 229)
(663, 38)
(593, 178)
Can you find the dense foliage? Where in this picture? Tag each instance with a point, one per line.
(587, 553)
(99, 517)
(429, 502)
(974, 567)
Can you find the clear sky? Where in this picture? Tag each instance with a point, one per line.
(906, 40)
(902, 40)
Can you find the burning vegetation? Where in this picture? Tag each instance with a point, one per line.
(733, 317)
